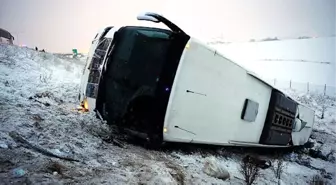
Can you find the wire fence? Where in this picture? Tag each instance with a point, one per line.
(304, 87)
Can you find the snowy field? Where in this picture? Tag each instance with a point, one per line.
(38, 97)
(303, 60)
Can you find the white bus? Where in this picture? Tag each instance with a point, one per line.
(165, 86)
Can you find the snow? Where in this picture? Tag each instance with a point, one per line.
(289, 52)
(30, 79)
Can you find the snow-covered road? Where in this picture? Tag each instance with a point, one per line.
(38, 97)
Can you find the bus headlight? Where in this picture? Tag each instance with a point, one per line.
(85, 104)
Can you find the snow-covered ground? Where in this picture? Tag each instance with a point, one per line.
(38, 97)
(298, 59)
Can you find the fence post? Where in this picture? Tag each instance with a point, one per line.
(325, 89)
(290, 84)
(307, 87)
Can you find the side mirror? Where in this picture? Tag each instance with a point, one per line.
(154, 17)
(144, 17)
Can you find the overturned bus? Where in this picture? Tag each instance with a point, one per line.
(165, 86)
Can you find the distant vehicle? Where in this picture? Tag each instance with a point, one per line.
(6, 37)
(164, 86)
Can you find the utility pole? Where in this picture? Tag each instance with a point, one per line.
(290, 84)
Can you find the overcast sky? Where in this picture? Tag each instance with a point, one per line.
(60, 25)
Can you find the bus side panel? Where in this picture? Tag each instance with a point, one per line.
(208, 97)
(259, 92)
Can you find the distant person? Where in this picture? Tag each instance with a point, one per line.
(36, 48)
(43, 50)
